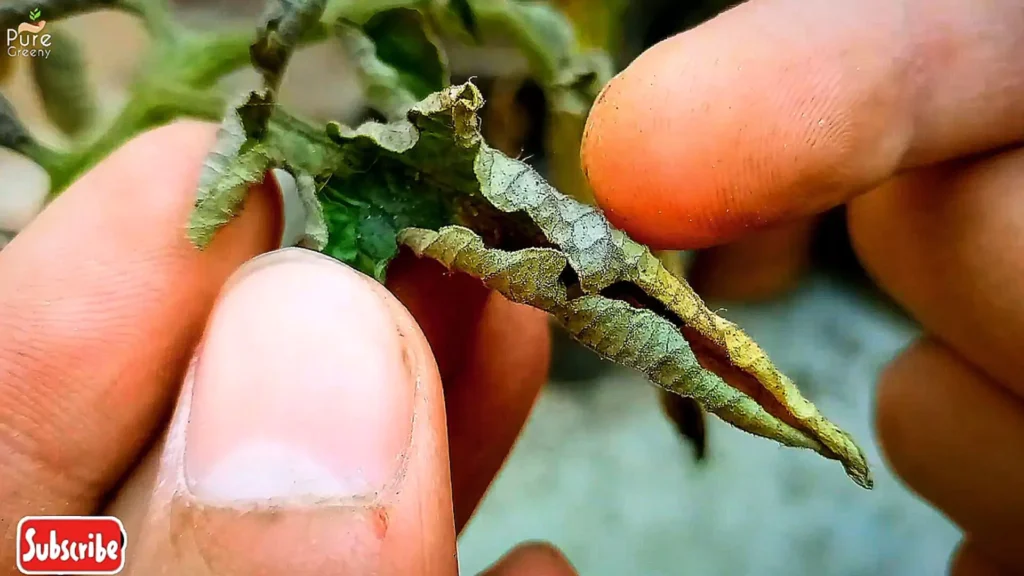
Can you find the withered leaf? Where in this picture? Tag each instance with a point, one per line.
(315, 237)
(249, 143)
(430, 182)
(235, 163)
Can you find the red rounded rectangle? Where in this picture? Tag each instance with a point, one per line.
(71, 545)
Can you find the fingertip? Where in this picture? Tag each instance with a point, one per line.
(703, 139)
(313, 419)
(302, 356)
(532, 559)
(969, 559)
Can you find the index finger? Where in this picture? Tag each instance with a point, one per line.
(778, 109)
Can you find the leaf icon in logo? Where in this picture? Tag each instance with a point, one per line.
(35, 14)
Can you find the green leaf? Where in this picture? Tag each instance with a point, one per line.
(405, 41)
(35, 14)
(365, 210)
(63, 84)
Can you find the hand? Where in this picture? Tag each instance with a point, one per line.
(910, 111)
(310, 434)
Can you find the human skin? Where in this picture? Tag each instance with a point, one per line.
(912, 112)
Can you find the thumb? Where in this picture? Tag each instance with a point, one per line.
(309, 438)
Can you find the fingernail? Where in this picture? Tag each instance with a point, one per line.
(303, 388)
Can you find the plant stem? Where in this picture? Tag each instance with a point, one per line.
(151, 105)
(177, 84)
(176, 81)
(46, 157)
(201, 60)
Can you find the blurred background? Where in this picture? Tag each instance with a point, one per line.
(623, 481)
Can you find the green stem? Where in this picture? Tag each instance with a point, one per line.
(151, 106)
(177, 82)
(205, 58)
(46, 157)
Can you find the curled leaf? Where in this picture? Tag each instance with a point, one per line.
(249, 143)
(612, 293)
(633, 337)
(63, 85)
(234, 164)
(315, 236)
(429, 182)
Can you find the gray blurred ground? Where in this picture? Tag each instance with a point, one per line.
(600, 472)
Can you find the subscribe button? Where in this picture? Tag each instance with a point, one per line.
(71, 545)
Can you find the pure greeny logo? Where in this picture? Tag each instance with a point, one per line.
(28, 40)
